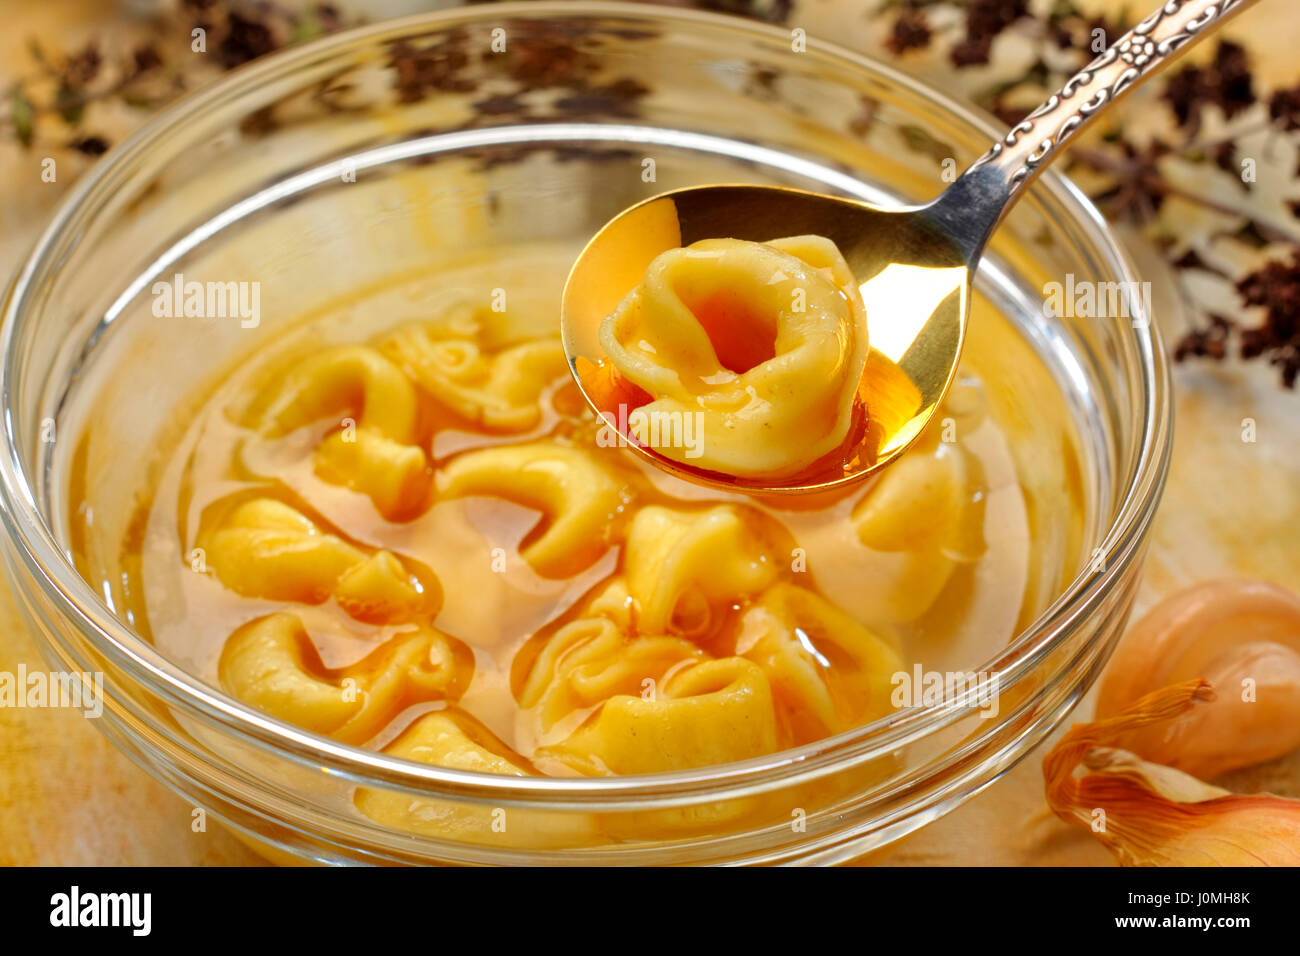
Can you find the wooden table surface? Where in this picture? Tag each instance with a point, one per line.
(1231, 508)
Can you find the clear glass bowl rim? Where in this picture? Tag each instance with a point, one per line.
(39, 553)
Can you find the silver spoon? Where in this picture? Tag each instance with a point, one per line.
(914, 265)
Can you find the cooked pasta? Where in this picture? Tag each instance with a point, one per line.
(579, 498)
(684, 568)
(712, 712)
(374, 406)
(764, 342)
(418, 543)
(272, 664)
(496, 391)
(828, 673)
(264, 548)
(453, 740)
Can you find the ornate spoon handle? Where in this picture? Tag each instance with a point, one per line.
(977, 201)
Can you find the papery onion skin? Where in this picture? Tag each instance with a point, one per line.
(1151, 815)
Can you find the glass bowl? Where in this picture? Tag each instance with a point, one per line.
(340, 164)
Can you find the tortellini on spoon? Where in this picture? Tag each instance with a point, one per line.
(762, 344)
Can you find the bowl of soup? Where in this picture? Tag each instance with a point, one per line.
(293, 459)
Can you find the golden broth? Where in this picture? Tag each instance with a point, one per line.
(946, 604)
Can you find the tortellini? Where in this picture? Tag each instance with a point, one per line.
(591, 660)
(924, 509)
(643, 703)
(442, 740)
(793, 669)
(263, 548)
(765, 342)
(683, 567)
(828, 673)
(580, 500)
(496, 392)
(272, 663)
(662, 672)
(917, 504)
(713, 712)
(451, 739)
(375, 451)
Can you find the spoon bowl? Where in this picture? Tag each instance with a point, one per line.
(906, 266)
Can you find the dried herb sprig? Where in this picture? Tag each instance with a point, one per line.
(1276, 289)
(154, 70)
(1226, 82)
(985, 19)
